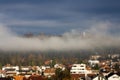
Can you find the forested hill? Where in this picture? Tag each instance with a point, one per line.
(65, 57)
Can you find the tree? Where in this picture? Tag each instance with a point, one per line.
(96, 67)
(117, 67)
(58, 73)
(66, 74)
(0, 65)
(62, 74)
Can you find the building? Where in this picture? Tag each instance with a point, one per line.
(114, 77)
(43, 68)
(99, 78)
(11, 70)
(25, 71)
(61, 66)
(92, 63)
(95, 57)
(34, 77)
(114, 56)
(49, 72)
(77, 76)
(18, 77)
(79, 69)
(2, 73)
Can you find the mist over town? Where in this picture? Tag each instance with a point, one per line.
(96, 36)
(59, 40)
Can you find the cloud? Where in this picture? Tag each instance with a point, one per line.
(38, 23)
(94, 18)
(95, 37)
(62, 14)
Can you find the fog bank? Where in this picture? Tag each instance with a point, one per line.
(94, 37)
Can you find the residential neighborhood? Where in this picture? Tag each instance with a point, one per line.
(94, 69)
(59, 39)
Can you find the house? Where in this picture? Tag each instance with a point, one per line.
(37, 69)
(61, 66)
(25, 71)
(99, 78)
(91, 76)
(92, 63)
(11, 70)
(95, 57)
(77, 76)
(34, 77)
(44, 67)
(105, 70)
(113, 76)
(81, 72)
(18, 77)
(49, 72)
(79, 69)
(82, 76)
(2, 73)
(115, 56)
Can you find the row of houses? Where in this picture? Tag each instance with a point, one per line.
(82, 72)
(106, 70)
(29, 70)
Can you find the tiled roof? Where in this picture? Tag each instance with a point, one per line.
(49, 70)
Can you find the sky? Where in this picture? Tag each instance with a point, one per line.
(83, 24)
(58, 16)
